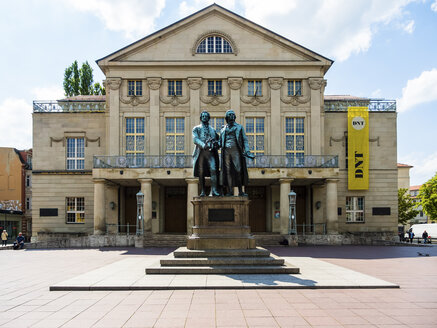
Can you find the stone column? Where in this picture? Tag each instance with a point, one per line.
(99, 207)
(317, 86)
(193, 191)
(284, 204)
(275, 84)
(146, 188)
(154, 135)
(194, 83)
(235, 85)
(331, 206)
(112, 213)
(112, 86)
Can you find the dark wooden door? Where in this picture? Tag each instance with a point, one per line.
(130, 212)
(257, 208)
(175, 209)
(300, 207)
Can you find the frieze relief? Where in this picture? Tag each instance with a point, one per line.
(135, 100)
(235, 82)
(275, 82)
(154, 82)
(194, 83)
(316, 83)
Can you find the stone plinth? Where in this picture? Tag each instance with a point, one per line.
(221, 223)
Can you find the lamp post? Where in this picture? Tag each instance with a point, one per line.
(140, 213)
(292, 228)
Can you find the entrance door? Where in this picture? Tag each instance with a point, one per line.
(175, 209)
(257, 208)
(130, 212)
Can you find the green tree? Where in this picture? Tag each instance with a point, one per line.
(86, 79)
(406, 207)
(98, 89)
(428, 198)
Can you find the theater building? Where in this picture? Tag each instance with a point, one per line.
(93, 154)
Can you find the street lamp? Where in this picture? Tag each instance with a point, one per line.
(140, 213)
(292, 213)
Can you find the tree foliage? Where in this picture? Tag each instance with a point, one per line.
(80, 81)
(406, 207)
(428, 197)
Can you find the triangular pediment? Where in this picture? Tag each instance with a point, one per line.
(250, 42)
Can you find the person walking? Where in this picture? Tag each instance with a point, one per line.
(425, 237)
(411, 235)
(4, 237)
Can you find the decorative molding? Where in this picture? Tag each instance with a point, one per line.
(342, 139)
(256, 100)
(295, 100)
(374, 140)
(52, 140)
(112, 83)
(174, 100)
(92, 140)
(194, 83)
(135, 100)
(275, 82)
(154, 82)
(316, 83)
(219, 33)
(214, 100)
(235, 83)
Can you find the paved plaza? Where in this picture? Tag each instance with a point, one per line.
(25, 299)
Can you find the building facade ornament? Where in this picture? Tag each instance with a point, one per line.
(235, 82)
(214, 100)
(194, 83)
(316, 83)
(112, 83)
(154, 82)
(174, 100)
(135, 100)
(256, 100)
(295, 100)
(275, 82)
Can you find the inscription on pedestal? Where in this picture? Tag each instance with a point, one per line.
(221, 214)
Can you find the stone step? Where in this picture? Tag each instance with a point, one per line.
(221, 261)
(183, 252)
(268, 269)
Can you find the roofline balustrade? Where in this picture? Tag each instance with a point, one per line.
(54, 106)
(374, 105)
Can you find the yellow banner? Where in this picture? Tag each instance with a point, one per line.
(358, 148)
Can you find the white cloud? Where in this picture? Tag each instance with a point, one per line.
(422, 89)
(409, 27)
(425, 167)
(48, 93)
(434, 6)
(335, 28)
(16, 123)
(136, 18)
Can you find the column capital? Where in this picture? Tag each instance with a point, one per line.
(316, 83)
(98, 180)
(192, 180)
(235, 82)
(154, 82)
(285, 180)
(275, 82)
(194, 82)
(332, 180)
(112, 83)
(145, 181)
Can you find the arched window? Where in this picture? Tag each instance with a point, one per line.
(214, 44)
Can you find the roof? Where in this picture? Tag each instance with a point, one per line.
(84, 98)
(415, 187)
(345, 97)
(404, 165)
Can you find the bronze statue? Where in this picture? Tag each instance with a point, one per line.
(206, 155)
(235, 149)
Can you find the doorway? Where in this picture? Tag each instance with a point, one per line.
(175, 218)
(257, 208)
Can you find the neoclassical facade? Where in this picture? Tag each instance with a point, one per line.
(92, 154)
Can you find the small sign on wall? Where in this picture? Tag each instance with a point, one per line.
(277, 214)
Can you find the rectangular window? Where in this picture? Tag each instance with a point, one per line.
(210, 44)
(28, 180)
(295, 139)
(174, 135)
(135, 88)
(254, 88)
(135, 139)
(28, 203)
(75, 209)
(175, 88)
(295, 88)
(355, 209)
(255, 134)
(214, 88)
(217, 123)
(75, 153)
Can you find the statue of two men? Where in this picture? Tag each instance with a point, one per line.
(234, 150)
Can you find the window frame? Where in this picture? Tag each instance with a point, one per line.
(28, 180)
(75, 210)
(75, 159)
(256, 134)
(294, 152)
(292, 89)
(28, 203)
(137, 88)
(216, 86)
(175, 134)
(176, 87)
(135, 152)
(352, 218)
(210, 45)
(252, 88)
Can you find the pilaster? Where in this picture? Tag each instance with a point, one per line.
(331, 206)
(317, 86)
(154, 84)
(193, 191)
(146, 188)
(275, 84)
(112, 86)
(284, 207)
(235, 86)
(99, 207)
(194, 84)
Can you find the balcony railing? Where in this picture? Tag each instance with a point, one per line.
(53, 106)
(186, 161)
(374, 105)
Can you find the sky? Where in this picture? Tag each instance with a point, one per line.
(381, 48)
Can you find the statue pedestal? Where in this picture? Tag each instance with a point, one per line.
(221, 223)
